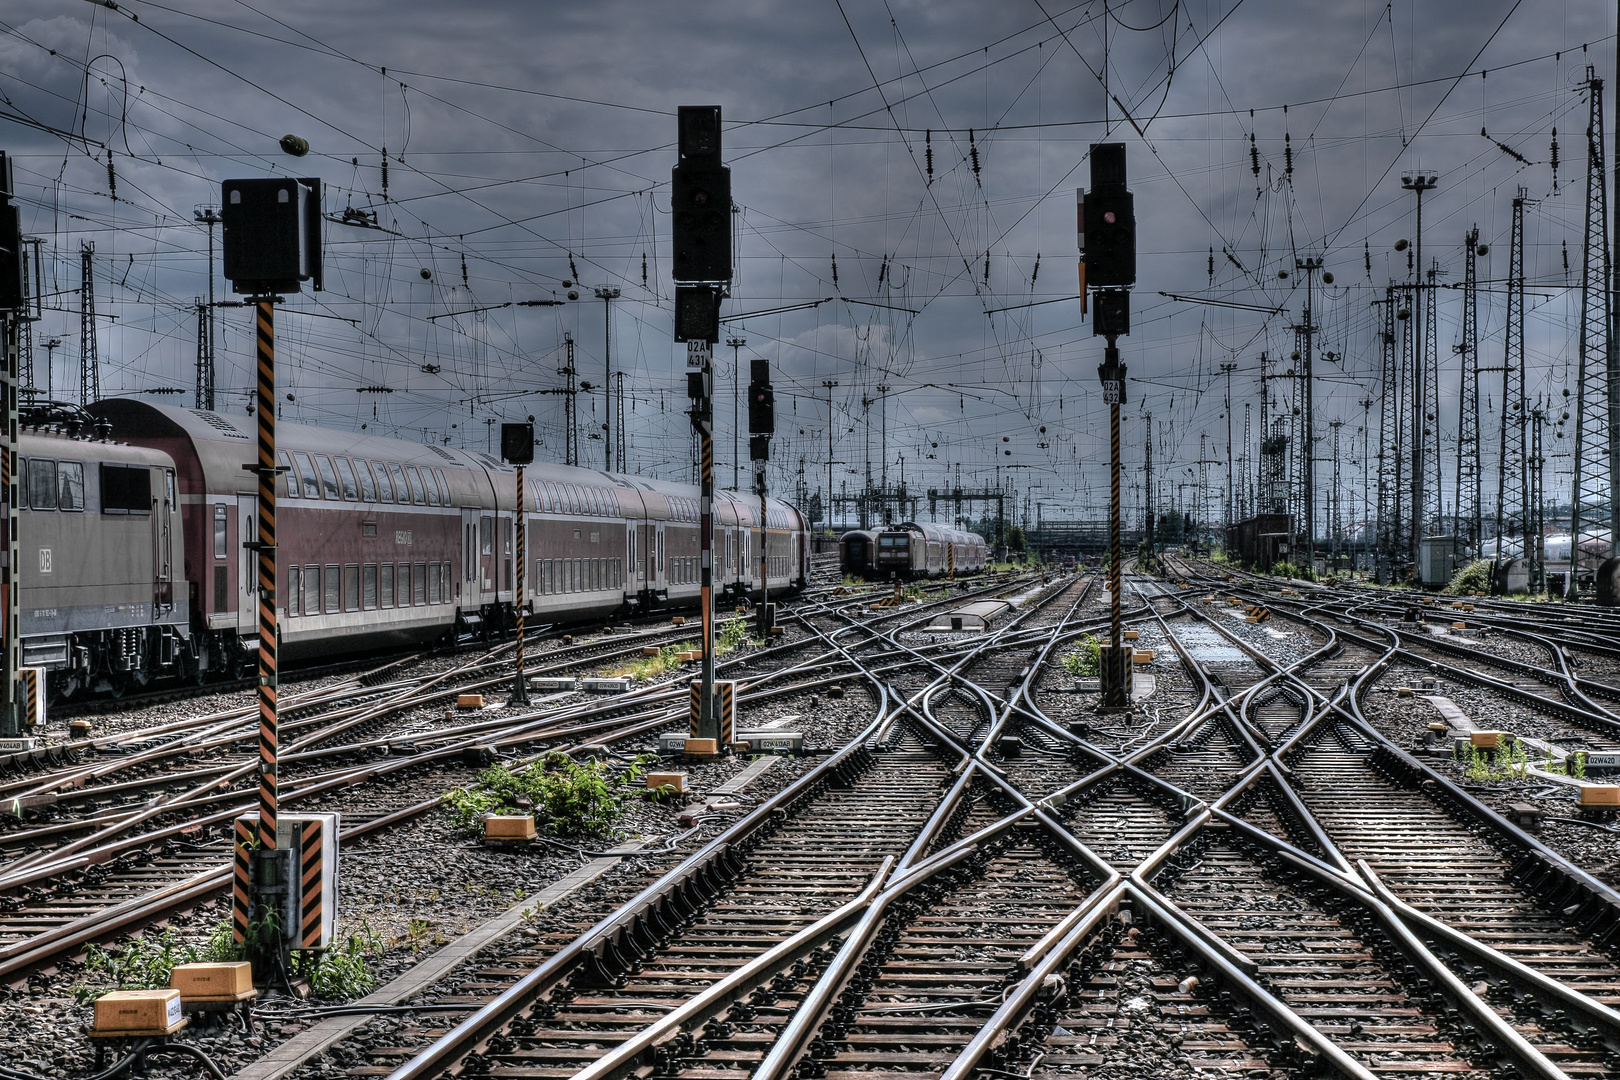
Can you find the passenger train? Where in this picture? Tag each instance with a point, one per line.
(909, 550)
(134, 526)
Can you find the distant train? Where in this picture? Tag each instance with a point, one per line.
(134, 564)
(909, 551)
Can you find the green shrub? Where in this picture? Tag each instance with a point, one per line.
(1475, 577)
(567, 797)
(342, 971)
(1087, 661)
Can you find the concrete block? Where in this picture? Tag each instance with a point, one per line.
(469, 701)
(553, 684)
(679, 620)
(1487, 740)
(703, 747)
(1142, 656)
(649, 650)
(1600, 795)
(1132, 635)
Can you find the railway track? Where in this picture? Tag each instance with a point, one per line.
(1244, 875)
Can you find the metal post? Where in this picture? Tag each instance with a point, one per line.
(829, 384)
(607, 294)
(706, 723)
(736, 344)
(205, 329)
(11, 719)
(520, 683)
(266, 547)
(1116, 673)
(1418, 183)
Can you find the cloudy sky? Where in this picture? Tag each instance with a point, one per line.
(916, 160)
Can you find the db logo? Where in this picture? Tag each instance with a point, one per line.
(44, 560)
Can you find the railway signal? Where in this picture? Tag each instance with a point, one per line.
(700, 196)
(1108, 266)
(271, 245)
(517, 448)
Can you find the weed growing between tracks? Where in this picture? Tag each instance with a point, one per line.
(567, 798)
(1088, 660)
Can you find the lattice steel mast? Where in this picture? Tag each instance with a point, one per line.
(1593, 504)
(1468, 447)
(89, 360)
(1511, 479)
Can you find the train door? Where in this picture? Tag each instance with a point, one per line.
(633, 584)
(470, 591)
(247, 568)
(162, 541)
(659, 580)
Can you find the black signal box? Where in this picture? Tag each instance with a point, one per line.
(697, 313)
(1110, 221)
(517, 444)
(272, 234)
(12, 287)
(700, 201)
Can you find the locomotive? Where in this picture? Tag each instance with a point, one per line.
(910, 550)
(381, 543)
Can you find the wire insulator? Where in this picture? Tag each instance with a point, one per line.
(112, 175)
(987, 269)
(1254, 157)
(1555, 159)
(1288, 155)
(835, 269)
(1035, 273)
(643, 269)
(883, 269)
(572, 268)
(385, 173)
(464, 281)
(1212, 262)
(1366, 253)
(973, 155)
(928, 152)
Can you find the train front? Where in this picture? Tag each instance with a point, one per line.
(892, 557)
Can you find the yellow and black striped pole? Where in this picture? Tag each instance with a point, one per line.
(266, 547)
(520, 684)
(706, 725)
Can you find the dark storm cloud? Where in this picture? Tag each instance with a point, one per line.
(527, 135)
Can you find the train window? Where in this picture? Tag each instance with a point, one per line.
(222, 588)
(351, 587)
(329, 480)
(368, 586)
(387, 589)
(613, 504)
(351, 490)
(506, 535)
(125, 489)
(419, 584)
(312, 590)
(486, 535)
(433, 583)
(404, 584)
(333, 585)
(444, 487)
(311, 482)
(402, 490)
(220, 518)
(293, 593)
(368, 489)
(418, 496)
(385, 490)
(449, 574)
(432, 487)
(553, 499)
(291, 474)
(42, 484)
